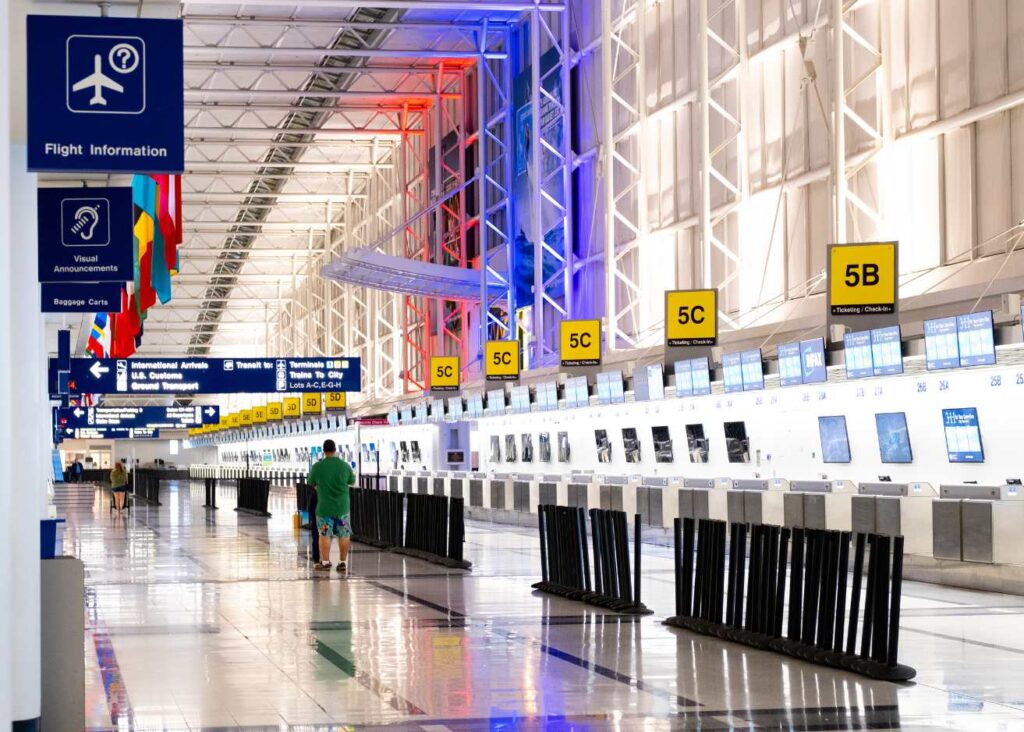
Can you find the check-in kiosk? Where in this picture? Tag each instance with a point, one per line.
(895, 509)
(974, 523)
(757, 501)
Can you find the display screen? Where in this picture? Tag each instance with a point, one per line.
(520, 399)
(563, 447)
(975, 338)
(753, 370)
(437, 409)
(544, 446)
(455, 407)
(684, 378)
(732, 370)
(737, 445)
(648, 382)
(547, 396)
(887, 351)
(610, 388)
(577, 392)
(527, 440)
(393, 416)
(941, 346)
(963, 435)
(495, 449)
(790, 365)
(814, 370)
(604, 446)
(859, 362)
(475, 405)
(510, 449)
(893, 437)
(700, 371)
(697, 443)
(631, 445)
(421, 412)
(835, 444)
(662, 445)
(496, 401)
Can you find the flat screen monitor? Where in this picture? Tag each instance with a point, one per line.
(631, 444)
(577, 392)
(610, 388)
(700, 371)
(835, 444)
(547, 396)
(753, 370)
(662, 444)
(406, 415)
(857, 348)
(393, 416)
(563, 447)
(814, 369)
(737, 446)
(887, 351)
(684, 378)
(455, 407)
(648, 382)
(941, 346)
(437, 409)
(405, 451)
(697, 443)
(495, 449)
(520, 399)
(604, 446)
(421, 412)
(496, 401)
(790, 365)
(976, 339)
(510, 449)
(455, 457)
(893, 437)
(963, 435)
(544, 447)
(732, 370)
(414, 448)
(527, 440)
(475, 405)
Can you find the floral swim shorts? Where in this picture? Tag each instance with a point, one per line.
(339, 526)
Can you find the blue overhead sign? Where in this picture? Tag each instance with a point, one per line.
(85, 235)
(105, 94)
(109, 433)
(138, 417)
(213, 375)
(81, 297)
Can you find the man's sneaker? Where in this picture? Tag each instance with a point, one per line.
(323, 566)
(342, 566)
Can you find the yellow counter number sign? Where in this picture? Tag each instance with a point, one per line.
(444, 373)
(259, 415)
(274, 412)
(862, 278)
(580, 342)
(292, 406)
(501, 360)
(245, 417)
(691, 317)
(335, 401)
(312, 403)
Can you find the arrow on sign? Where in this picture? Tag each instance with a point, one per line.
(78, 412)
(209, 411)
(96, 369)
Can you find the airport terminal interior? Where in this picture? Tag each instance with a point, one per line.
(456, 365)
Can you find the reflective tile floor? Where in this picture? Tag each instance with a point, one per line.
(213, 620)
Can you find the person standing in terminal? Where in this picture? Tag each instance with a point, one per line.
(119, 485)
(331, 477)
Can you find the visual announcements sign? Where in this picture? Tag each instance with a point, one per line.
(105, 95)
(85, 235)
(213, 375)
(691, 318)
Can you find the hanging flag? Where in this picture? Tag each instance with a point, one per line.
(144, 202)
(173, 209)
(164, 257)
(127, 327)
(99, 337)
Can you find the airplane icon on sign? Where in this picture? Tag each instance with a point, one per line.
(98, 81)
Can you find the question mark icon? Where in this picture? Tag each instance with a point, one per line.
(123, 58)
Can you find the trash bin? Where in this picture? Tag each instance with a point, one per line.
(50, 538)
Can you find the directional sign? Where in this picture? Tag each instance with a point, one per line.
(502, 360)
(110, 433)
(68, 297)
(691, 317)
(292, 407)
(335, 401)
(862, 278)
(138, 417)
(274, 412)
(580, 342)
(213, 375)
(105, 94)
(85, 235)
(312, 403)
(444, 373)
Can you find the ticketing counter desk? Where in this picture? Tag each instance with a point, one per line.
(974, 523)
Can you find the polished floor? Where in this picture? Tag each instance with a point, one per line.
(213, 620)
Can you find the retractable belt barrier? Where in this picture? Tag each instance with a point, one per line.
(145, 485)
(565, 558)
(210, 486)
(748, 598)
(253, 496)
(432, 530)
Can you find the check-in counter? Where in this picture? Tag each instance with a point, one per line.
(457, 485)
(819, 504)
(582, 491)
(974, 523)
(895, 509)
(613, 494)
(700, 498)
(422, 483)
(439, 483)
(547, 490)
(499, 494)
(394, 481)
(757, 501)
(652, 500)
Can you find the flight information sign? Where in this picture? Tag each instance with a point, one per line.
(213, 375)
(139, 417)
(111, 433)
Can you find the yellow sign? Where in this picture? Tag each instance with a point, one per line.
(312, 403)
(274, 412)
(335, 401)
(691, 317)
(292, 407)
(259, 415)
(580, 342)
(862, 278)
(233, 419)
(444, 373)
(245, 417)
(502, 360)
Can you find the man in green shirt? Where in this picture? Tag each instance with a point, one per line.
(332, 477)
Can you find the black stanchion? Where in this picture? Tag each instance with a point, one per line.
(253, 496)
(754, 592)
(210, 488)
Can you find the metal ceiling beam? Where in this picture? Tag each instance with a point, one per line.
(477, 6)
(282, 199)
(321, 53)
(327, 134)
(215, 167)
(402, 97)
(381, 107)
(277, 22)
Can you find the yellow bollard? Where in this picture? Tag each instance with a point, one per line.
(296, 521)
